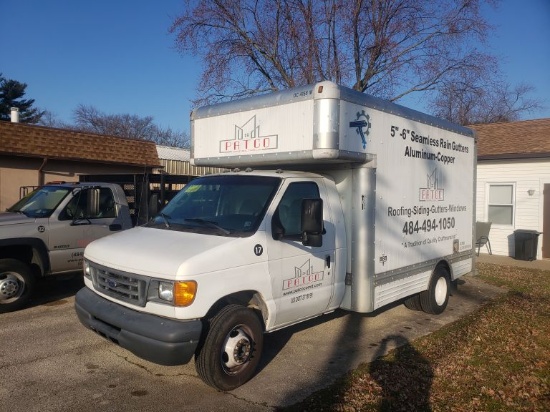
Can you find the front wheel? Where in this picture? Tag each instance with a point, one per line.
(16, 284)
(435, 299)
(232, 348)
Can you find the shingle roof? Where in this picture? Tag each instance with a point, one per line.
(514, 140)
(37, 141)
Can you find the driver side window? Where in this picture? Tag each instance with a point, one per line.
(79, 206)
(290, 208)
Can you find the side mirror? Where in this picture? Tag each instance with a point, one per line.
(277, 229)
(115, 227)
(312, 222)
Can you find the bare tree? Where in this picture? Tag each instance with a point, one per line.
(389, 48)
(50, 119)
(90, 119)
(476, 101)
(124, 125)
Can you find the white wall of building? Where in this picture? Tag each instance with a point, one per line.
(525, 176)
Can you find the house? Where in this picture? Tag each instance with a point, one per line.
(33, 155)
(513, 182)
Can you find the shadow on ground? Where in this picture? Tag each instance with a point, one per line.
(51, 291)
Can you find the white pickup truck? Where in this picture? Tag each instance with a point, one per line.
(45, 234)
(341, 200)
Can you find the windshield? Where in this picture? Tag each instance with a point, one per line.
(225, 205)
(41, 202)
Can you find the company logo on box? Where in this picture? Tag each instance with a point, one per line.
(248, 139)
(432, 192)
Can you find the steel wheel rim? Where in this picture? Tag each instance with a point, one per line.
(440, 292)
(12, 286)
(236, 350)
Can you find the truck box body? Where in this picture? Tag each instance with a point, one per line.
(406, 179)
(337, 200)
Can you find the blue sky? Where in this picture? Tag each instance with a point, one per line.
(117, 55)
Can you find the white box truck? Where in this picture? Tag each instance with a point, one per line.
(337, 200)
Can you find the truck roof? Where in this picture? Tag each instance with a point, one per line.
(283, 174)
(79, 184)
(316, 126)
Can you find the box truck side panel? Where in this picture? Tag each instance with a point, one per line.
(392, 290)
(422, 201)
(462, 267)
(424, 187)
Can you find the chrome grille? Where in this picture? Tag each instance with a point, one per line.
(127, 287)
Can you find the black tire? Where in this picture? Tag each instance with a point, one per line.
(237, 331)
(435, 299)
(16, 285)
(413, 302)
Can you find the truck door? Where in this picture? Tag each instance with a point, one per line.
(301, 276)
(77, 225)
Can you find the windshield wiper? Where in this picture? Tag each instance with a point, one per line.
(209, 223)
(165, 217)
(16, 211)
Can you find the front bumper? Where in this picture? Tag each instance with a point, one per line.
(153, 338)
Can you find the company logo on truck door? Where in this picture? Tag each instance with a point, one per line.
(303, 276)
(248, 139)
(362, 126)
(432, 191)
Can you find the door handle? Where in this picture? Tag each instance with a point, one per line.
(327, 260)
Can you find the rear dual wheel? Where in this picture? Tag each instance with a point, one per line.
(435, 299)
(413, 302)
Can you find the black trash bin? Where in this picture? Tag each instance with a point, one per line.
(526, 242)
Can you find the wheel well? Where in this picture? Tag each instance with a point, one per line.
(28, 254)
(247, 298)
(23, 253)
(445, 265)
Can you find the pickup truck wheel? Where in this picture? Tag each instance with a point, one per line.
(16, 284)
(435, 299)
(232, 348)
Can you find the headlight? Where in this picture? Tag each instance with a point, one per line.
(87, 269)
(166, 291)
(181, 293)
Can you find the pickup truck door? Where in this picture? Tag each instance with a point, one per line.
(301, 276)
(74, 227)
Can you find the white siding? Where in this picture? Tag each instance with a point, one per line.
(525, 175)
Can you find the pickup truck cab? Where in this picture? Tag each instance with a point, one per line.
(45, 234)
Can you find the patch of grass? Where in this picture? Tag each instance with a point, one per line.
(496, 359)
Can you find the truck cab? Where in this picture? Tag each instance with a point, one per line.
(271, 240)
(46, 231)
(245, 228)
